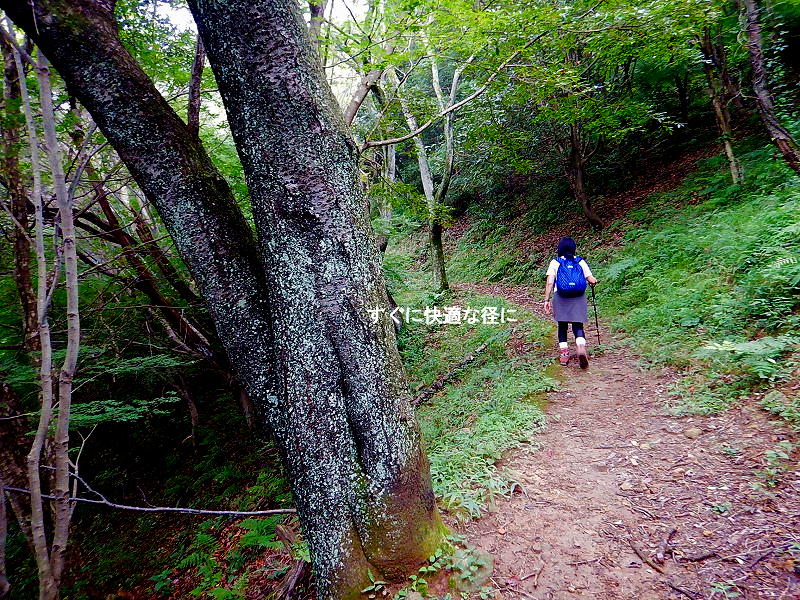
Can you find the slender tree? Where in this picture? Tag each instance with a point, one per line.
(195, 81)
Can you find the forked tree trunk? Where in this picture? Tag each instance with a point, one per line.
(716, 92)
(369, 501)
(576, 175)
(62, 506)
(329, 382)
(48, 581)
(779, 135)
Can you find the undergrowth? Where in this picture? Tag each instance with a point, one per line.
(704, 277)
(709, 281)
(492, 405)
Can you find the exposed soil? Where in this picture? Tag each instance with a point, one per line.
(616, 470)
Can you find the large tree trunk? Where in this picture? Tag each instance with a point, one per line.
(360, 478)
(716, 91)
(18, 200)
(329, 382)
(777, 132)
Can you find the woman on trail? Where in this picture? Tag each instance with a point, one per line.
(567, 277)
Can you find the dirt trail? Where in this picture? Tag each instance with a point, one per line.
(614, 470)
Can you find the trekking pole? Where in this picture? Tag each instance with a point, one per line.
(596, 323)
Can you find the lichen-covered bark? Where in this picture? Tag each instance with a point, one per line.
(352, 445)
(294, 321)
(169, 164)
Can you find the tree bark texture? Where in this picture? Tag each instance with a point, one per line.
(195, 81)
(779, 135)
(343, 411)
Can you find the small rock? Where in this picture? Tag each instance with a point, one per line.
(626, 486)
(693, 433)
(707, 532)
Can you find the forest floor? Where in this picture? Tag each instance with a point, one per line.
(615, 482)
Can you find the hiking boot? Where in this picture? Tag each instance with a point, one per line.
(583, 358)
(563, 357)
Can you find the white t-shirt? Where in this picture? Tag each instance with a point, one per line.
(552, 269)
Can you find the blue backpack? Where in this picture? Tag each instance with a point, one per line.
(570, 280)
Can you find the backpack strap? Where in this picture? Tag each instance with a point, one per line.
(562, 260)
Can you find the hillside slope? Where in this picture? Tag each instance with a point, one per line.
(700, 275)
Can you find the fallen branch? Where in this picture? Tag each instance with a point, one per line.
(699, 556)
(665, 545)
(761, 557)
(681, 590)
(442, 381)
(535, 575)
(645, 558)
(174, 509)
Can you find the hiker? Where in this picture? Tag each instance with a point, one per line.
(567, 276)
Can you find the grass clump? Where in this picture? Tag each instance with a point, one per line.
(495, 408)
(489, 252)
(492, 405)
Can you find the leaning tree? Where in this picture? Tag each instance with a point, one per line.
(290, 305)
